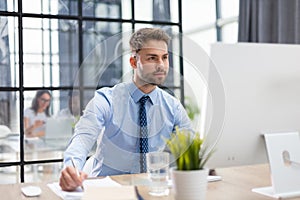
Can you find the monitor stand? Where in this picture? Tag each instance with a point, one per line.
(269, 191)
(284, 158)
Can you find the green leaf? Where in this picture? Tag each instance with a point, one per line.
(186, 147)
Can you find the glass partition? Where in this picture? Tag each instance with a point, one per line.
(50, 52)
(9, 61)
(157, 10)
(10, 175)
(53, 7)
(117, 9)
(48, 172)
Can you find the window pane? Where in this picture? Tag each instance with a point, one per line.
(38, 149)
(116, 9)
(156, 10)
(9, 111)
(9, 70)
(50, 49)
(9, 130)
(9, 149)
(103, 51)
(9, 5)
(197, 13)
(53, 130)
(43, 172)
(229, 8)
(9, 175)
(54, 7)
(41, 149)
(68, 60)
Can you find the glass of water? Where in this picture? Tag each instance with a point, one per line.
(158, 173)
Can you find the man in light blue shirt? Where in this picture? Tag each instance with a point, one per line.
(112, 116)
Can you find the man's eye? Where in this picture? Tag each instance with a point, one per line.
(151, 58)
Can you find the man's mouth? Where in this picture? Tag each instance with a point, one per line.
(159, 73)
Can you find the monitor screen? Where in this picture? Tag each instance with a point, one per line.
(261, 85)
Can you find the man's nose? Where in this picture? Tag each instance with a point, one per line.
(160, 61)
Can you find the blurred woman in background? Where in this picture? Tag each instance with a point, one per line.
(36, 116)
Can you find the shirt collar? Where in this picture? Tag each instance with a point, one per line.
(136, 93)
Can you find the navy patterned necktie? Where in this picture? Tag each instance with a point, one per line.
(143, 133)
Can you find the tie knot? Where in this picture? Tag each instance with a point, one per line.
(143, 99)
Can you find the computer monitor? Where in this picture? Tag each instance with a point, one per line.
(59, 128)
(262, 94)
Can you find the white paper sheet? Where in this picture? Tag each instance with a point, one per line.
(78, 193)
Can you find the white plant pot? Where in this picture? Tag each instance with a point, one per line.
(189, 185)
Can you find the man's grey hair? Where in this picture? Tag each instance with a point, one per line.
(142, 36)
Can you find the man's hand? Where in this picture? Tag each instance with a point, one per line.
(69, 180)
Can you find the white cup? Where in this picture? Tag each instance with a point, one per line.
(158, 173)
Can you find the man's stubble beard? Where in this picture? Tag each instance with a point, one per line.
(154, 81)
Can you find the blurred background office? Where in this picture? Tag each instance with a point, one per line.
(61, 46)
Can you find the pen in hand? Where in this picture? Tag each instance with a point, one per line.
(77, 172)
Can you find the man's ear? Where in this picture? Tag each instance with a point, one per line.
(133, 62)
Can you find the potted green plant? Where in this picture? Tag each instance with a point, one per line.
(189, 177)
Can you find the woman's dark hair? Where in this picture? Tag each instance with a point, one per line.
(72, 94)
(35, 103)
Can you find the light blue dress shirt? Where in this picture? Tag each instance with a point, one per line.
(111, 119)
